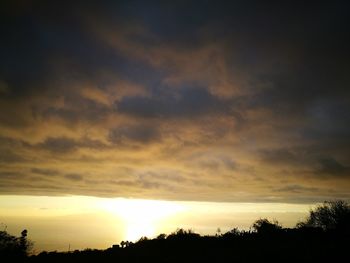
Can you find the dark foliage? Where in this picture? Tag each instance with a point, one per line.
(331, 216)
(14, 247)
(264, 226)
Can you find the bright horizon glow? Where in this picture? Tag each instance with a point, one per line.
(55, 222)
(141, 217)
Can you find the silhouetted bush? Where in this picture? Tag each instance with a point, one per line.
(161, 236)
(330, 216)
(183, 234)
(264, 226)
(12, 246)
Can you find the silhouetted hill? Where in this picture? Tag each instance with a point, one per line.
(287, 245)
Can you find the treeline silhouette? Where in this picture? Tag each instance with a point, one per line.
(323, 237)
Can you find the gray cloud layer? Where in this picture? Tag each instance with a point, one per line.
(228, 102)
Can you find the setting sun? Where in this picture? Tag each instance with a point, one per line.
(142, 217)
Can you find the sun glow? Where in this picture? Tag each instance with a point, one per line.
(142, 217)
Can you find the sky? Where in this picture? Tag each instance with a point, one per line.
(180, 101)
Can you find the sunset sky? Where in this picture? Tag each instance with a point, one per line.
(174, 107)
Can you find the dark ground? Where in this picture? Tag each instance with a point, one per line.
(286, 245)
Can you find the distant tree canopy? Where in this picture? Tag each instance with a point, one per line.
(264, 226)
(181, 233)
(14, 246)
(330, 216)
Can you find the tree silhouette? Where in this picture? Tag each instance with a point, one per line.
(13, 246)
(330, 216)
(264, 226)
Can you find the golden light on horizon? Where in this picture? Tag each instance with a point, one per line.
(142, 217)
(54, 222)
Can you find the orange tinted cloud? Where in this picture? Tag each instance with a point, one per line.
(117, 102)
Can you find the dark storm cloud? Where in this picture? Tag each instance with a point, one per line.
(50, 43)
(277, 156)
(305, 158)
(50, 31)
(331, 167)
(136, 133)
(60, 144)
(243, 85)
(296, 189)
(186, 103)
(65, 144)
(329, 118)
(76, 110)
